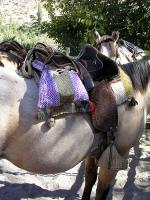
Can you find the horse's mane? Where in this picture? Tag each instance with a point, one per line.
(139, 73)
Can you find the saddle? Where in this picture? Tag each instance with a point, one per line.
(51, 57)
(15, 49)
(102, 69)
(98, 65)
(91, 66)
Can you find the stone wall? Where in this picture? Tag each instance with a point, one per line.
(20, 11)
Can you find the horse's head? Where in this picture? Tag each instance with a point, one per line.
(107, 44)
(119, 50)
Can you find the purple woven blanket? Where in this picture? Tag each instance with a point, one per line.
(49, 92)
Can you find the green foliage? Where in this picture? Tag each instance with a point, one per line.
(75, 22)
(147, 52)
(77, 19)
(27, 35)
(131, 18)
(72, 36)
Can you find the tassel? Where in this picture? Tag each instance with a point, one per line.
(41, 114)
(87, 107)
(91, 106)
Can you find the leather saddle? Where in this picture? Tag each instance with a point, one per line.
(53, 58)
(90, 64)
(14, 48)
(99, 66)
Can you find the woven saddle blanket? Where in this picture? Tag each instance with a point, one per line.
(60, 87)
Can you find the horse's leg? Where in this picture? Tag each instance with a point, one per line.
(105, 178)
(90, 177)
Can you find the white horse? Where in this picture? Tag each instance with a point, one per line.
(119, 50)
(33, 146)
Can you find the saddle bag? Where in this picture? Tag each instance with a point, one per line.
(59, 87)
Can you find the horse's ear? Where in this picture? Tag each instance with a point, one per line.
(96, 36)
(115, 35)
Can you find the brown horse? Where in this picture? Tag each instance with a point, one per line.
(33, 146)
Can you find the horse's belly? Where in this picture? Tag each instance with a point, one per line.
(54, 150)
